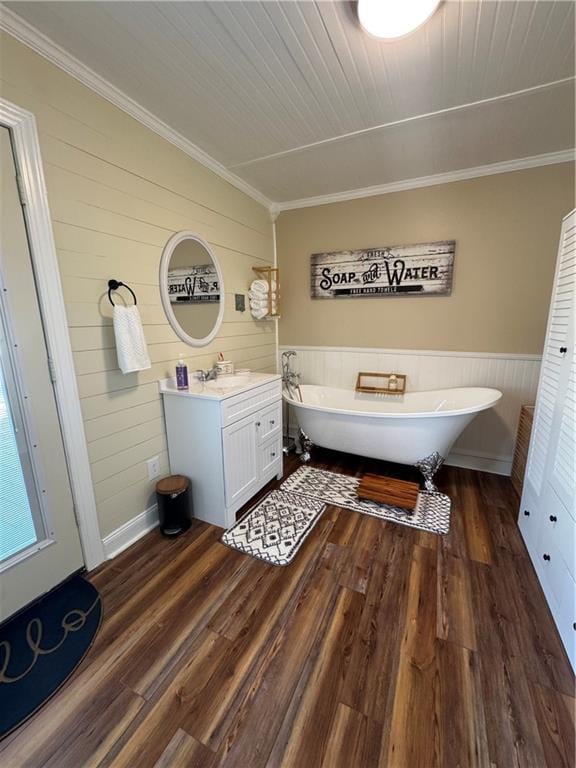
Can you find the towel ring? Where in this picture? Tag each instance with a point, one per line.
(113, 285)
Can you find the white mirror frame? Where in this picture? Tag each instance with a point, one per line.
(166, 303)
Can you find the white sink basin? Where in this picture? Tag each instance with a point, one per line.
(229, 382)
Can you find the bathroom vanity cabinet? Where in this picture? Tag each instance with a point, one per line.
(226, 436)
(547, 516)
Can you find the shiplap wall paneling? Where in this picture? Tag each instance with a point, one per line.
(117, 192)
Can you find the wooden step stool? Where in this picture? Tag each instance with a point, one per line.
(387, 490)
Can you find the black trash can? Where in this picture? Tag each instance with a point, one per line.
(174, 504)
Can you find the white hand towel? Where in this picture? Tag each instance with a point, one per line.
(263, 307)
(261, 295)
(258, 314)
(130, 341)
(256, 303)
(259, 286)
(262, 286)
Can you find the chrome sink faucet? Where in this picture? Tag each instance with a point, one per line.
(210, 375)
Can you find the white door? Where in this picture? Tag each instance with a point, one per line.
(240, 459)
(39, 539)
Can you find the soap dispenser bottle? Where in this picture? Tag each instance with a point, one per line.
(181, 374)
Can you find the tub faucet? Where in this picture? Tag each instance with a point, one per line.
(290, 378)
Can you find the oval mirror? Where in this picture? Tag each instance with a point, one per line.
(192, 288)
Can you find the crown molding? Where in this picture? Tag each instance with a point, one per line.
(24, 32)
(535, 161)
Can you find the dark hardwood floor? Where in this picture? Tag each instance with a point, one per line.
(378, 646)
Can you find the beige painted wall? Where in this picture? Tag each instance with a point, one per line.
(117, 193)
(506, 229)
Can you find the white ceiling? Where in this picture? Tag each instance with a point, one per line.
(296, 100)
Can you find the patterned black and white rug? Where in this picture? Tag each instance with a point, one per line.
(275, 529)
(432, 511)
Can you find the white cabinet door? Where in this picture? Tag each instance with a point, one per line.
(558, 527)
(530, 519)
(240, 459)
(270, 457)
(566, 619)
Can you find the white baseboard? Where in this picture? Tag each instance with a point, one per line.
(491, 464)
(130, 532)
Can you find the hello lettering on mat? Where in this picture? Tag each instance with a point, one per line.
(423, 269)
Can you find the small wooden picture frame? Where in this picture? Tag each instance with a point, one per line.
(379, 383)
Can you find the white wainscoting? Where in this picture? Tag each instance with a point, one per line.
(488, 442)
(129, 533)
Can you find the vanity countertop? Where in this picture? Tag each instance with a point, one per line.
(220, 388)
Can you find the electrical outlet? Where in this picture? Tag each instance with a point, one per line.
(153, 467)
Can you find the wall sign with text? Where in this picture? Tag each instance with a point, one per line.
(193, 285)
(424, 269)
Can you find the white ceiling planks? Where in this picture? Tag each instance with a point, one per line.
(296, 100)
(491, 133)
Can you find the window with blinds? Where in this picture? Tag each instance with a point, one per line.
(20, 519)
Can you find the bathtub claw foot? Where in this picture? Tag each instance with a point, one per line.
(429, 466)
(305, 446)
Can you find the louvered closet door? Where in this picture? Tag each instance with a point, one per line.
(562, 341)
(553, 419)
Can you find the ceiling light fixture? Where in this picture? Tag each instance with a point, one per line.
(390, 19)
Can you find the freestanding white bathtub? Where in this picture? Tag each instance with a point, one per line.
(406, 429)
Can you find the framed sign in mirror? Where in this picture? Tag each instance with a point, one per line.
(192, 288)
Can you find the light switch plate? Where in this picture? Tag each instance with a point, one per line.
(240, 301)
